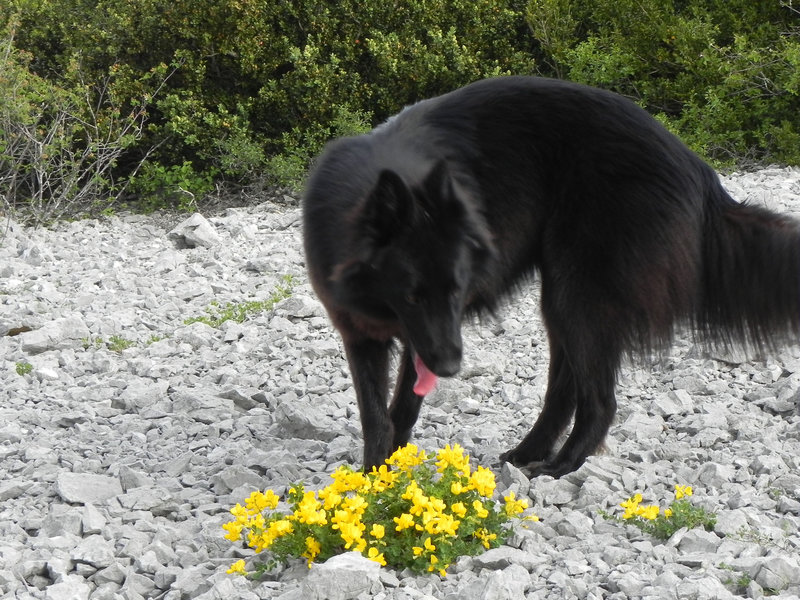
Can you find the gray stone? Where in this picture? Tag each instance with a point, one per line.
(778, 573)
(699, 541)
(95, 551)
(92, 520)
(554, 491)
(195, 231)
(512, 479)
(197, 335)
(768, 464)
(504, 556)
(298, 418)
(86, 488)
(13, 489)
(630, 584)
(112, 574)
(192, 582)
(704, 588)
(62, 520)
(132, 478)
(178, 465)
(201, 405)
(145, 498)
(166, 576)
(301, 306)
(62, 333)
(730, 522)
(71, 587)
(342, 577)
(714, 475)
(571, 523)
(641, 426)
(675, 402)
(234, 477)
(139, 584)
(507, 584)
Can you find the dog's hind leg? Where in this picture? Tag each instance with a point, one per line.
(586, 324)
(559, 406)
(369, 367)
(405, 406)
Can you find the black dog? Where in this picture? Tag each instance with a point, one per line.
(442, 210)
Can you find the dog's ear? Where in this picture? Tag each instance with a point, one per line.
(459, 210)
(439, 184)
(388, 207)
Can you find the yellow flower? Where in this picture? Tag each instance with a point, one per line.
(404, 521)
(240, 512)
(682, 490)
(428, 544)
(257, 522)
(355, 504)
(667, 512)
(382, 478)
(330, 497)
(351, 534)
(347, 480)
(459, 509)
(377, 556)
(480, 511)
(452, 457)
(313, 549)
(310, 511)
(237, 568)
(258, 502)
(436, 523)
(234, 529)
(432, 567)
(377, 531)
(648, 512)
(482, 480)
(457, 488)
(513, 506)
(485, 537)
(407, 457)
(631, 505)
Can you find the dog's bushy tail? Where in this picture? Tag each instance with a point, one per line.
(750, 279)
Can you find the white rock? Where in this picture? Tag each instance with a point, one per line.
(62, 333)
(71, 587)
(95, 551)
(195, 231)
(342, 577)
(86, 487)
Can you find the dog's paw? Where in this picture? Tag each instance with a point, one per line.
(522, 458)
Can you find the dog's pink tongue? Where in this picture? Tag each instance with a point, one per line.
(426, 380)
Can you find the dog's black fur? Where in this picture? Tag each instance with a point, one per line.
(442, 210)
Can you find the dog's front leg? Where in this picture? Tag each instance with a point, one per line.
(369, 367)
(405, 406)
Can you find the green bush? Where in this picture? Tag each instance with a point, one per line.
(722, 74)
(230, 91)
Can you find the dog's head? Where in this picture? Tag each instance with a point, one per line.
(421, 246)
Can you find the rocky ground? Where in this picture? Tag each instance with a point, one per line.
(127, 434)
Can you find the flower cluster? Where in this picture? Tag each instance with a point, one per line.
(662, 524)
(414, 511)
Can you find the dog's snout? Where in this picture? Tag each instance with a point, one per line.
(447, 364)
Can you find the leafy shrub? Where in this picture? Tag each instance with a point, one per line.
(259, 87)
(174, 186)
(721, 74)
